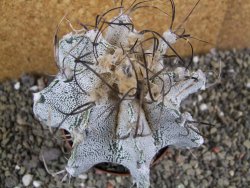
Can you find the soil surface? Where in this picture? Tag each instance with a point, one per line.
(223, 160)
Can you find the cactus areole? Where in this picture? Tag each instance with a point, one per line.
(119, 99)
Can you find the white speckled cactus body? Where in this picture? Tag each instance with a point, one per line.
(118, 99)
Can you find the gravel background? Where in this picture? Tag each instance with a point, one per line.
(223, 161)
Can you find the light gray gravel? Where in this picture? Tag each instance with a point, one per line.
(223, 161)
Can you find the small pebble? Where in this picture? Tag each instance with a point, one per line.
(213, 130)
(181, 186)
(203, 107)
(17, 86)
(34, 88)
(200, 98)
(118, 179)
(27, 178)
(41, 83)
(37, 183)
(17, 167)
(216, 149)
(196, 59)
(231, 172)
(247, 144)
(20, 119)
(248, 85)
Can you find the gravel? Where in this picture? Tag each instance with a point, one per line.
(223, 161)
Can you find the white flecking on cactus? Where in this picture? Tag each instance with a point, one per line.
(118, 99)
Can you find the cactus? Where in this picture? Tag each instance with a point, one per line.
(118, 98)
